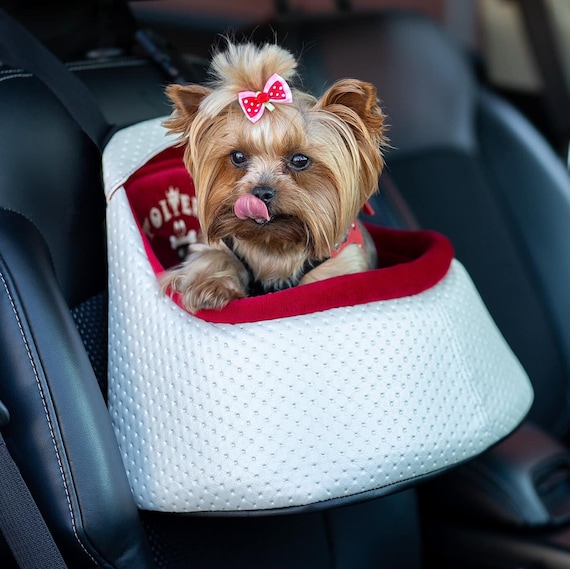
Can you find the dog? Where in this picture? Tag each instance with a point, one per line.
(280, 176)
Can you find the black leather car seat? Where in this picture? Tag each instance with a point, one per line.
(448, 161)
(53, 264)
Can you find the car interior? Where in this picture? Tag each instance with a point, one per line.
(481, 161)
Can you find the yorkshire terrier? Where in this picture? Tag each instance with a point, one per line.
(280, 177)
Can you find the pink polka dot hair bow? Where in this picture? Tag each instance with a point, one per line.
(253, 104)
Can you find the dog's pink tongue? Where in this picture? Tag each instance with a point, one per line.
(249, 206)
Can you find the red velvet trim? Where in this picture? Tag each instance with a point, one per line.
(164, 220)
(410, 262)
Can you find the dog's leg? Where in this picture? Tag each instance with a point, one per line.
(208, 279)
(351, 260)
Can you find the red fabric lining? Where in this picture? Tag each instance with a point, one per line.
(161, 195)
(410, 262)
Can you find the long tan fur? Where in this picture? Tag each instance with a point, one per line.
(342, 134)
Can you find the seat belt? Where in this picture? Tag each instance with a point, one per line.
(21, 49)
(21, 522)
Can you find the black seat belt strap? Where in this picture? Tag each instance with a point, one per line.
(21, 522)
(19, 48)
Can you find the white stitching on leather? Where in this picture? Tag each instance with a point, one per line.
(105, 64)
(36, 375)
(14, 76)
(94, 65)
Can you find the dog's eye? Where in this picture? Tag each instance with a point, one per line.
(299, 162)
(238, 158)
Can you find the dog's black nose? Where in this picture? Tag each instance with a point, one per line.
(264, 193)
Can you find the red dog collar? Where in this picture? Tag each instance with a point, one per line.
(354, 235)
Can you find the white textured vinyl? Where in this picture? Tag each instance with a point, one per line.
(298, 410)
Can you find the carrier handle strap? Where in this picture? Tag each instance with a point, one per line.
(21, 49)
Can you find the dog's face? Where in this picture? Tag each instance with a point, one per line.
(295, 179)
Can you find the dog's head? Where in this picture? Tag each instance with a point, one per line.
(272, 165)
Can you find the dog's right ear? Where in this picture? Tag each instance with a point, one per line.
(186, 100)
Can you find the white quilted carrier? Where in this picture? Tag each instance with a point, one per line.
(342, 389)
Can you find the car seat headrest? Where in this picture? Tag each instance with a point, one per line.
(402, 54)
(103, 25)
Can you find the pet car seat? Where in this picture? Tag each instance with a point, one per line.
(321, 394)
(469, 165)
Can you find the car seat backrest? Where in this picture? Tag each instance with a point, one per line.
(35, 184)
(66, 202)
(428, 99)
(55, 177)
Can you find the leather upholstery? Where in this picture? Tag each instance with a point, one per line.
(59, 430)
(53, 258)
(66, 202)
(539, 206)
(409, 57)
(34, 182)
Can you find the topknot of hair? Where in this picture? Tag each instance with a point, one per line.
(245, 67)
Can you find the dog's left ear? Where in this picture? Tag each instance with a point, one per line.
(186, 100)
(349, 96)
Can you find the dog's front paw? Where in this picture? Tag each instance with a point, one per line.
(208, 279)
(212, 293)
